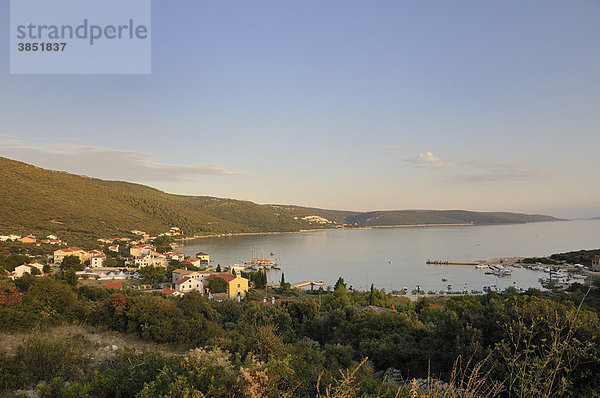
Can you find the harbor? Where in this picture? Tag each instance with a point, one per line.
(395, 258)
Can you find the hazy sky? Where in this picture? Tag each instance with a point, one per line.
(358, 105)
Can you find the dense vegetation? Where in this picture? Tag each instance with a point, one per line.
(408, 217)
(583, 257)
(533, 344)
(80, 209)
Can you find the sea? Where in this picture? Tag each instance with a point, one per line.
(394, 259)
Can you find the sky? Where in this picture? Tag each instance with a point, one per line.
(357, 105)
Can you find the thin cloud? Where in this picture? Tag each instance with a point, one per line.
(105, 163)
(428, 159)
(396, 147)
(486, 171)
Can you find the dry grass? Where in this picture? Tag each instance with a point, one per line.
(102, 342)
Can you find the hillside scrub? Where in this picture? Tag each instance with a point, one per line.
(529, 344)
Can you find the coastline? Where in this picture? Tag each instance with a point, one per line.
(324, 229)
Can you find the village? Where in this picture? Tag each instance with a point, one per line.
(136, 263)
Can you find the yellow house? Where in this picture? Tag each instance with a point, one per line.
(236, 285)
(204, 259)
(28, 239)
(60, 254)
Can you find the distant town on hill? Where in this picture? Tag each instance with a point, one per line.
(39, 201)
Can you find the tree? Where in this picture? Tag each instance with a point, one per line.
(24, 282)
(372, 295)
(283, 285)
(35, 271)
(71, 277)
(339, 283)
(153, 274)
(219, 268)
(163, 243)
(47, 268)
(261, 279)
(218, 285)
(73, 262)
(110, 262)
(51, 292)
(175, 263)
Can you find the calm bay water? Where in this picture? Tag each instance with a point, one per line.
(363, 256)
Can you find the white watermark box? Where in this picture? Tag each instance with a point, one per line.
(80, 37)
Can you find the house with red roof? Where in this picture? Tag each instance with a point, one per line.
(28, 239)
(187, 284)
(97, 259)
(171, 292)
(60, 254)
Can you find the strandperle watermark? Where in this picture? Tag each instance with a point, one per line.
(80, 37)
(85, 31)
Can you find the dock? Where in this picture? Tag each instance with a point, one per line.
(446, 262)
(301, 285)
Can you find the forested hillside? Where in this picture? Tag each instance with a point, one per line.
(39, 201)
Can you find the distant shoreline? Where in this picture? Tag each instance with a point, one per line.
(325, 229)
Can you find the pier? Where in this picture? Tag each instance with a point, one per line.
(445, 262)
(301, 285)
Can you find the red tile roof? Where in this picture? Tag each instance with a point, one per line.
(114, 285)
(168, 290)
(228, 277)
(182, 280)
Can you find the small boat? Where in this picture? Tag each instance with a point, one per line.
(444, 280)
(390, 261)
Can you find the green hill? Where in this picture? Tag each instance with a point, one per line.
(408, 217)
(80, 209)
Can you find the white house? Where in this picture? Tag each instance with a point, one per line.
(184, 273)
(196, 262)
(596, 263)
(4, 238)
(187, 284)
(97, 260)
(141, 250)
(152, 259)
(175, 256)
(25, 269)
(194, 280)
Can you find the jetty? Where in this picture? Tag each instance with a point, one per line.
(446, 262)
(304, 284)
